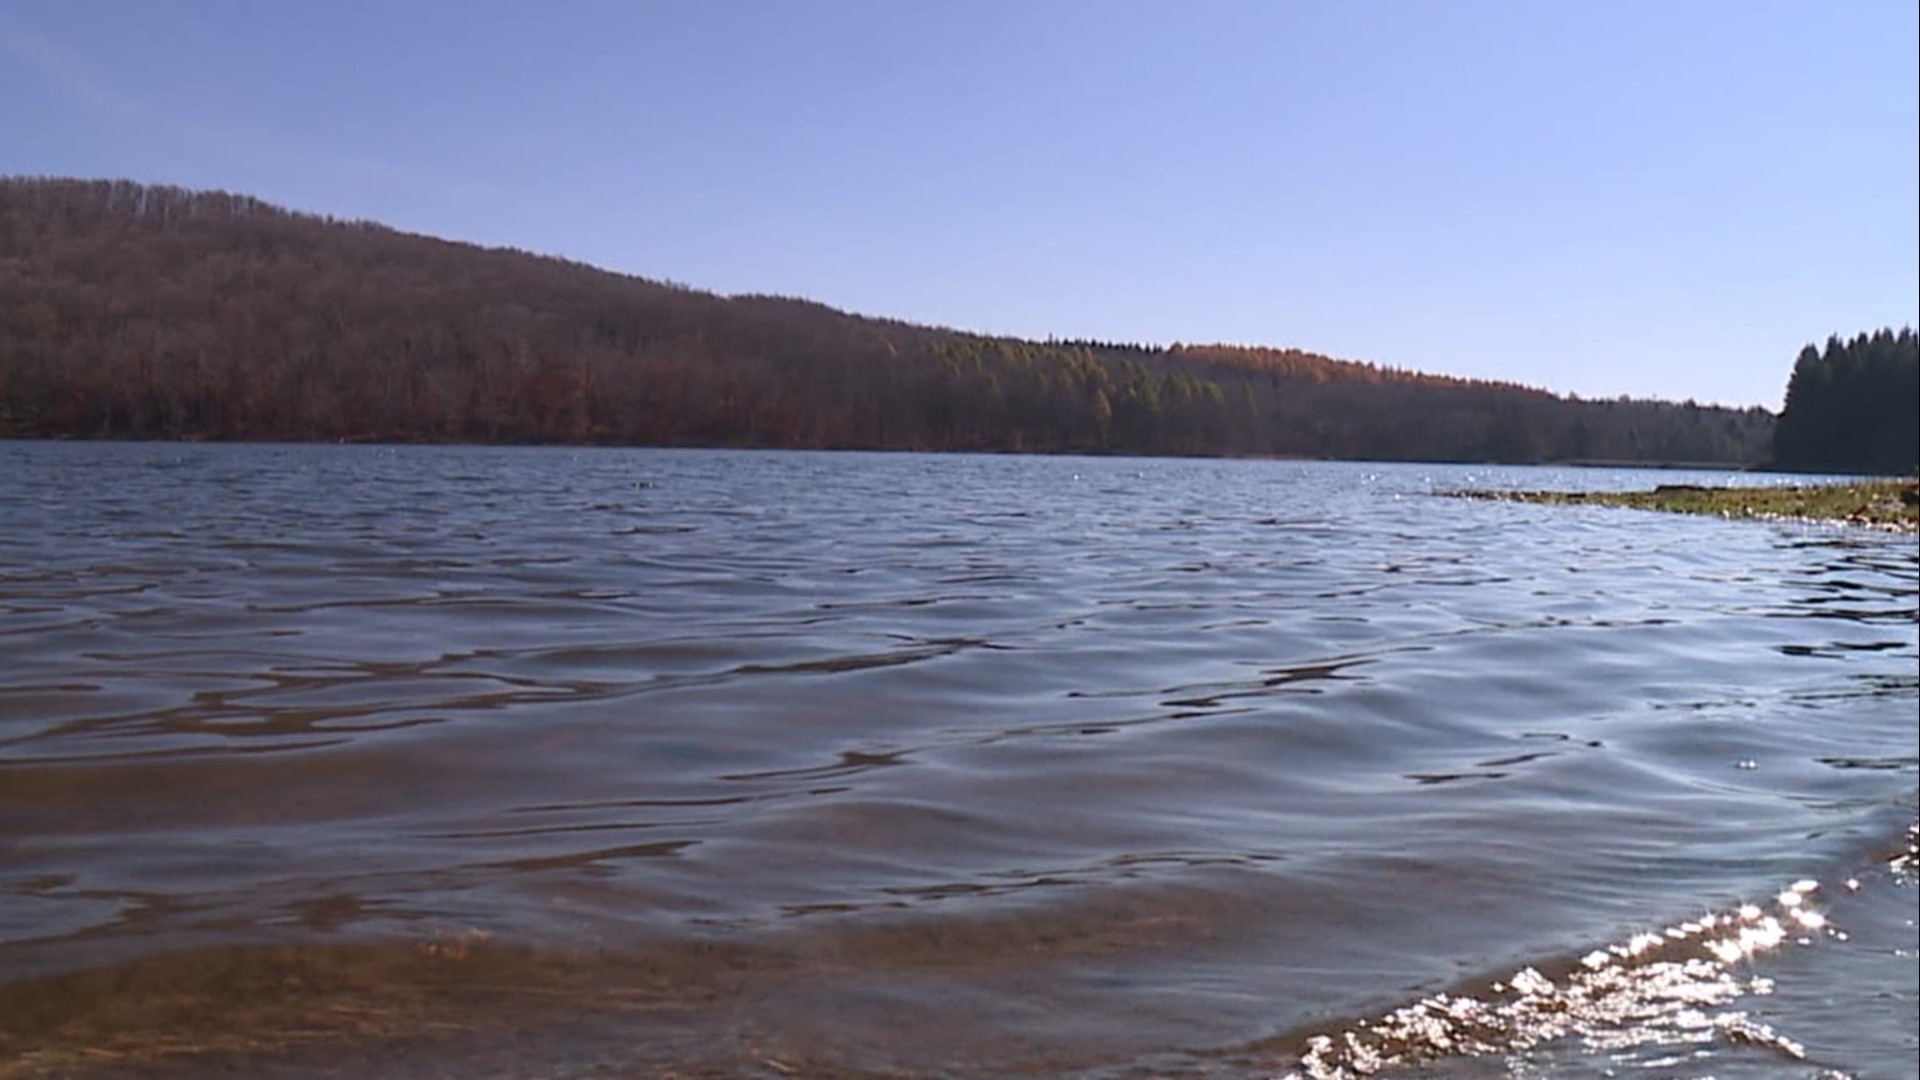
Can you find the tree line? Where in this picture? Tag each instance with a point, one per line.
(130, 310)
(1853, 406)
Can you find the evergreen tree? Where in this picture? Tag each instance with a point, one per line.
(1852, 406)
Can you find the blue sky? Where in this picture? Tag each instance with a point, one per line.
(1624, 197)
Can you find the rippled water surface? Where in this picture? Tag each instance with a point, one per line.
(544, 762)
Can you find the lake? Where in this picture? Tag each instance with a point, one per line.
(502, 762)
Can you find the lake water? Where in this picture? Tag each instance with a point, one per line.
(489, 762)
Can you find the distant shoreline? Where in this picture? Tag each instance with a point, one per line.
(590, 444)
(1881, 504)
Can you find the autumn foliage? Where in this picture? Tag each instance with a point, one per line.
(156, 312)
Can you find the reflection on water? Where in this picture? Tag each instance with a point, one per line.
(1660, 999)
(631, 761)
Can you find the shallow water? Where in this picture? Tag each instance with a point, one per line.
(515, 762)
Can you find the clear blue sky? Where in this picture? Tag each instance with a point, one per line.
(1649, 197)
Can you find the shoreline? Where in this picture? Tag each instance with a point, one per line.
(1887, 504)
(397, 442)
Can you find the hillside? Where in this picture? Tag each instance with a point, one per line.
(156, 312)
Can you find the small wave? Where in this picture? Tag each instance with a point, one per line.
(1689, 985)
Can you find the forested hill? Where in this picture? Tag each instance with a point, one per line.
(156, 312)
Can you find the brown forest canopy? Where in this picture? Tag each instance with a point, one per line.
(157, 312)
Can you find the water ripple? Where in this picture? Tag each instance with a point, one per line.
(1020, 745)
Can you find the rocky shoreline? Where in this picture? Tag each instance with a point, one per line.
(1881, 504)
